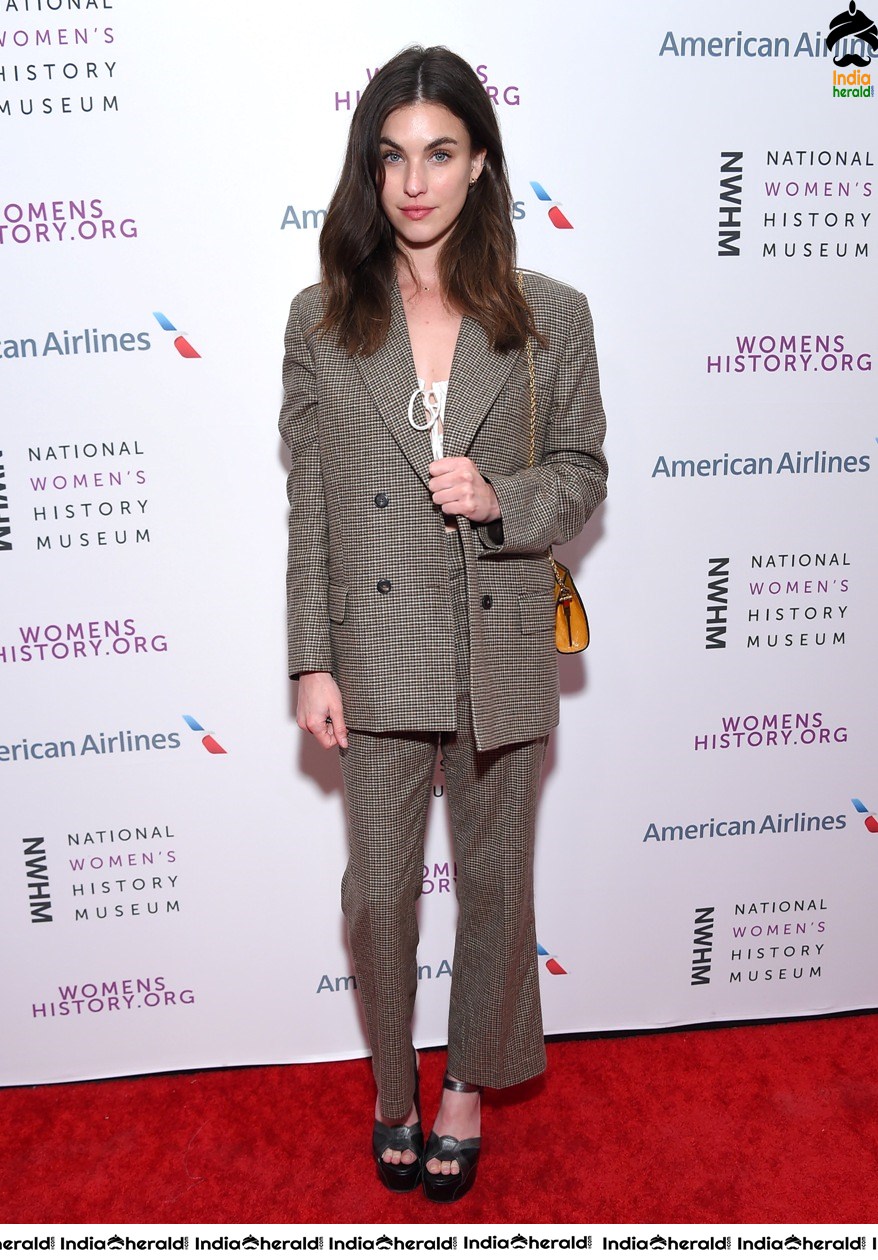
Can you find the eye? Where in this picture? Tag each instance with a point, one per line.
(391, 157)
(441, 156)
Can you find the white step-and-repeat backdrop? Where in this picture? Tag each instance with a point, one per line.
(171, 849)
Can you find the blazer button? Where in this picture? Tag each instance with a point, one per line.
(384, 586)
(487, 601)
(381, 500)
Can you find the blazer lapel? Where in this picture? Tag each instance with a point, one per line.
(478, 373)
(390, 377)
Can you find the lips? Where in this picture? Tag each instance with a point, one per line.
(417, 212)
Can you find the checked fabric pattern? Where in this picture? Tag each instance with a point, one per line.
(367, 580)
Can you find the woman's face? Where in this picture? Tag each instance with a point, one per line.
(428, 162)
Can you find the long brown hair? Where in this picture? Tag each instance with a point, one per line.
(358, 253)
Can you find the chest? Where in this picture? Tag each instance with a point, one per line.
(433, 331)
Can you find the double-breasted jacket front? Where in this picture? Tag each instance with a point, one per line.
(367, 581)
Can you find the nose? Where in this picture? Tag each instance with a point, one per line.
(415, 179)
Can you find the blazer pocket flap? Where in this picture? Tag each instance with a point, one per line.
(338, 599)
(537, 612)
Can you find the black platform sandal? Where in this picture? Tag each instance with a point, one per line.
(400, 1178)
(449, 1187)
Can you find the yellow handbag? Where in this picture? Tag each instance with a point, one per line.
(571, 619)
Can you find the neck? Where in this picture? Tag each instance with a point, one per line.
(418, 273)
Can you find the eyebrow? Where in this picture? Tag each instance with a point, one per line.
(434, 144)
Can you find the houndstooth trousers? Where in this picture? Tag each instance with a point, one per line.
(495, 1034)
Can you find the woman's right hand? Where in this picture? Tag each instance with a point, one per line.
(319, 710)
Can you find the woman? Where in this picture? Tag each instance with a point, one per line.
(424, 499)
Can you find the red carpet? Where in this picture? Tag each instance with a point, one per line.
(769, 1124)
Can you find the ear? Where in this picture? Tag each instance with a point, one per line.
(477, 164)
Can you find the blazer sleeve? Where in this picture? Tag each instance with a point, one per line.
(551, 502)
(307, 557)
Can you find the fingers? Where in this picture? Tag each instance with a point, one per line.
(457, 486)
(322, 727)
(459, 471)
(335, 723)
(319, 710)
(317, 724)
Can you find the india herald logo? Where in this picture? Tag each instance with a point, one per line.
(853, 23)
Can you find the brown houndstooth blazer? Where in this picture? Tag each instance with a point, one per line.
(367, 580)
